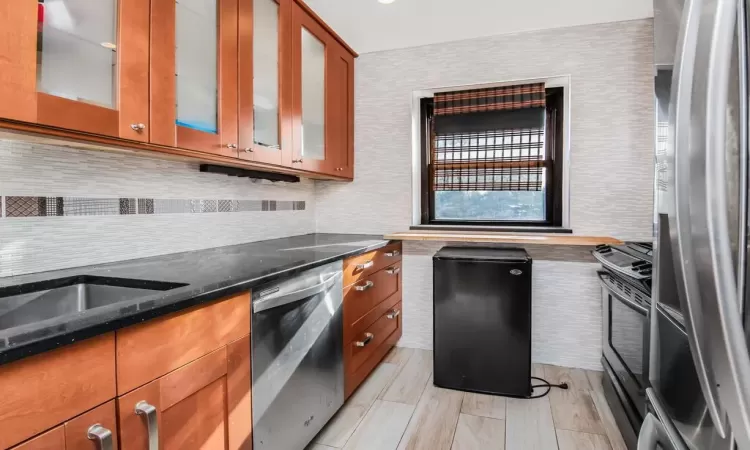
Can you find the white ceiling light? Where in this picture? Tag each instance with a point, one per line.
(386, 2)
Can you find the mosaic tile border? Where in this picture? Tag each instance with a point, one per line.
(28, 206)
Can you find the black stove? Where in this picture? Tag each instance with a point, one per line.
(632, 259)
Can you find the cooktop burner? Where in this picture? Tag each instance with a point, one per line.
(633, 259)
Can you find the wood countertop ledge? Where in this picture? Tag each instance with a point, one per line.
(502, 238)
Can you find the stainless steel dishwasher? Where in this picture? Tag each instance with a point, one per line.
(297, 357)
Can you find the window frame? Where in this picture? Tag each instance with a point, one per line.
(554, 179)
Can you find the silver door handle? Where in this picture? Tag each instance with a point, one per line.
(732, 362)
(365, 265)
(231, 146)
(139, 127)
(364, 287)
(294, 161)
(368, 338)
(393, 314)
(684, 257)
(393, 271)
(247, 149)
(392, 254)
(101, 436)
(148, 412)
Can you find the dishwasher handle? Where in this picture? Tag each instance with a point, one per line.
(274, 301)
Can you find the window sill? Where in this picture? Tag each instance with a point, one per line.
(493, 228)
(502, 237)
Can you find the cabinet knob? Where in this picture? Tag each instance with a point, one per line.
(392, 314)
(297, 160)
(392, 254)
(101, 436)
(247, 149)
(139, 127)
(148, 412)
(231, 145)
(393, 270)
(368, 337)
(365, 265)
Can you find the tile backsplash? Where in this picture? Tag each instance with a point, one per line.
(63, 207)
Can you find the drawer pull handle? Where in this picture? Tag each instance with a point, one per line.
(393, 253)
(138, 127)
(392, 314)
(148, 412)
(393, 271)
(364, 287)
(365, 265)
(100, 435)
(368, 337)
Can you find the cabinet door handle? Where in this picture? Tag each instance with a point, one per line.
(100, 435)
(365, 265)
(231, 146)
(148, 412)
(364, 287)
(297, 160)
(392, 254)
(368, 337)
(392, 314)
(248, 149)
(393, 271)
(139, 127)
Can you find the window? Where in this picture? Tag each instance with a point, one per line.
(493, 157)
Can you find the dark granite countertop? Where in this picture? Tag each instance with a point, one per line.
(208, 274)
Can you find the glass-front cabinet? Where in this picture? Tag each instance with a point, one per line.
(194, 57)
(257, 83)
(77, 65)
(265, 81)
(322, 71)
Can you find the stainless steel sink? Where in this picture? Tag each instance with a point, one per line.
(21, 305)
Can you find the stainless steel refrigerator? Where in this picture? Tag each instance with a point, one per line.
(699, 364)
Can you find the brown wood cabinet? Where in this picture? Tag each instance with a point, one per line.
(203, 404)
(185, 377)
(154, 75)
(372, 311)
(89, 75)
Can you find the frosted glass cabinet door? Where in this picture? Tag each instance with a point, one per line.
(196, 59)
(265, 41)
(194, 75)
(80, 65)
(309, 54)
(313, 96)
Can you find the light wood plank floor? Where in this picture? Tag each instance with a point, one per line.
(398, 408)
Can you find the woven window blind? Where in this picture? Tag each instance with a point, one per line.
(489, 139)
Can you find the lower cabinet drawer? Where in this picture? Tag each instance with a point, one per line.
(367, 342)
(355, 376)
(367, 293)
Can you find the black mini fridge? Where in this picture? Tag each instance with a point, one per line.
(482, 320)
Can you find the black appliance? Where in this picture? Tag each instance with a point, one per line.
(482, 320)
(625, 280)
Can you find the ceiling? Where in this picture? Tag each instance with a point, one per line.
(368, 26)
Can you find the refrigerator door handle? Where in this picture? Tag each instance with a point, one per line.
(679, 211)
(648, 437)
(731, 359)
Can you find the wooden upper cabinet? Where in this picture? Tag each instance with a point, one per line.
(203, 404)
(265, 81)
(340, 110)
(310, 50)
(77, 65)
(193, 69)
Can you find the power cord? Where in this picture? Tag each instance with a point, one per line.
(546, 384)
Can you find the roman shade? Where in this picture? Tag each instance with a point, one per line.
(489, 139)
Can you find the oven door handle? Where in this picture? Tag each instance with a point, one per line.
(612, 290)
